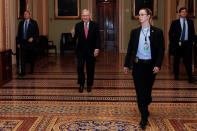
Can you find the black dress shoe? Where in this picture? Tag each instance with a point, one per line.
(89, 88)
(21, 74)
(31, 72)
(81, 88)
(191, 80)
(32, 69)
(148, 114)
(176, 77)
(143, 123)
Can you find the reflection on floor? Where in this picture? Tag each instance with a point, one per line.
(49, 100)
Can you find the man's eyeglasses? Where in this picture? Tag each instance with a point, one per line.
(142, 14)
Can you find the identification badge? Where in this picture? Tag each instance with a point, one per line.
(146, 46)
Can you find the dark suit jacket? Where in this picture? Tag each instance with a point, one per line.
(93, 39)
(156, 44)
(32, 31)
(175, 33)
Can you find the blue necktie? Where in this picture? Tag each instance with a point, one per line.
(25, 30)
(183, 31)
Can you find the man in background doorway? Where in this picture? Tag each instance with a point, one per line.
(87, 34)
(26, 39)
(181, 35)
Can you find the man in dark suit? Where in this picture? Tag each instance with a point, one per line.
(181, 35)
(87, 34)
(26, 39)
(144, 56)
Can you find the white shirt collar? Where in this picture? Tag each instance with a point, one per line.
(181, 19)
(87, 23)
(146, 29)
(27, 20)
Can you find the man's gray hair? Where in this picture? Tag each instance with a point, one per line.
(85, 10)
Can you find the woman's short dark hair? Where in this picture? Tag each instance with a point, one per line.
(182, 8)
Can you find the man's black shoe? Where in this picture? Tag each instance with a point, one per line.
(143, 123)
(148, 114)
(81, 88)
(191, 80)
(89, 88)
(176, 77)
(21, 74)
(31, 72)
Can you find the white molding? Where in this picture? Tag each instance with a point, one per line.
(45, 17)
(121, 27)
(90, 6)
(1, 26)
(13, 32)
(7, 23)
(34, 9)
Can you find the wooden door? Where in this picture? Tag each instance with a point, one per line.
(106, 19)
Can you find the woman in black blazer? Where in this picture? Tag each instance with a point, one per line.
(144, 56)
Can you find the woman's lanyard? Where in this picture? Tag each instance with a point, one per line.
(146, 46)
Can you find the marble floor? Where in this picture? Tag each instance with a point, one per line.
(49, 99)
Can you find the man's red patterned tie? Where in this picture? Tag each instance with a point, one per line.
(86, 30)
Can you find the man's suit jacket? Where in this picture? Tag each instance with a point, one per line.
(87, 46)
(156, 44)
(175, 33)
(32, 31)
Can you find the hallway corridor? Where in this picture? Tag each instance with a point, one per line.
(49, 99)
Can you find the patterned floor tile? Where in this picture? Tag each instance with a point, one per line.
(49, 99)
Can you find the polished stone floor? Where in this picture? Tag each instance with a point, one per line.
(49, 99)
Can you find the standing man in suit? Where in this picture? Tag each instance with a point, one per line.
(181, 35)
(27, 35)
(144, 56)
(87, 33)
